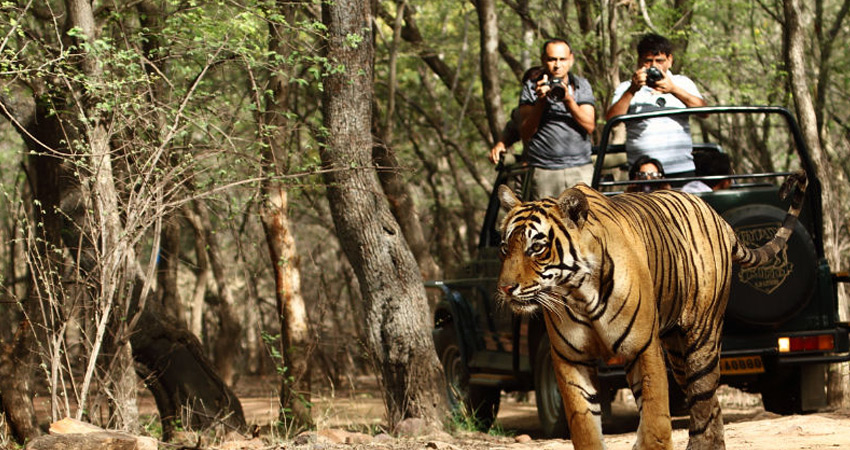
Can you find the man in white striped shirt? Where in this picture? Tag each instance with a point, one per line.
(653, 87)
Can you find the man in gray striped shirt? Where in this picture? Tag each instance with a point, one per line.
(555, 124)
(653, 87)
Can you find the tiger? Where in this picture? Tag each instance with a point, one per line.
(633, 275)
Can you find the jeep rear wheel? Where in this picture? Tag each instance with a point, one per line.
(476, 404)
(780, 391)
(550, 406)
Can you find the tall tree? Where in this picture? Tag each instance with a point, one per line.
(275, 131)
(795, 59)
(396, 328)
(99, 197)
(491, 83)
(117, 258)
(391, 174)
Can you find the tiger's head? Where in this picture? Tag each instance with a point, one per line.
(542, 262)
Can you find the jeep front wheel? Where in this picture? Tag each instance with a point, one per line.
(550, 406)
(476, 404)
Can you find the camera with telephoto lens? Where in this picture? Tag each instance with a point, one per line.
(557, 89)
(653, 76)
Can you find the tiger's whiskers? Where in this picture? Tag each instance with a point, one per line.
(552, 300)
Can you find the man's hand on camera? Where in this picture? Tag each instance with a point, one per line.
(543, 87)
(638, 80)
(664, 85)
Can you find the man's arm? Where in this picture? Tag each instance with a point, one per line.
(690, 100)
(667, 86)
(621, 106)
(529, 118)
(584, 114)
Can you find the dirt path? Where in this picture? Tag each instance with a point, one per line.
(748, 426)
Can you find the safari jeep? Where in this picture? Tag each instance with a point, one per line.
(781, 326)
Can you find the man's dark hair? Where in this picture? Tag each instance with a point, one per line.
(645, 159)
(555, 40)
(654, 44)
(709, 163)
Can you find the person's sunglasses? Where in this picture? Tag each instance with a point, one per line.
(648, 175)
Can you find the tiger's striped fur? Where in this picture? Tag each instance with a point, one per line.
(625, 276)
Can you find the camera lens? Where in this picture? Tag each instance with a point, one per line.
(556, 89)
(653, 76)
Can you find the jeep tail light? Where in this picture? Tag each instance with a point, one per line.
(821, 342)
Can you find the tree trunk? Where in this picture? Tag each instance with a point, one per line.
(491, 84)
(170, 360)
(295, 338)
(404, 210)
(104, 227)
(795, 58)
(167, 268)
(226, 341)
(202, 273)
(275, 131)
(16, 363)
(397, 329)
(40, 130)
(187, 391)
(395, 186)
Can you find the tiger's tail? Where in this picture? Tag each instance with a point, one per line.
(747, 257)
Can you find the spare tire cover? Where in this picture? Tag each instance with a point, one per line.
(774, 292)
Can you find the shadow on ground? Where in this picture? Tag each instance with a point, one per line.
(520, 417)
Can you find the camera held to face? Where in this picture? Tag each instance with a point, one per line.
(557, 89)
(653, 76)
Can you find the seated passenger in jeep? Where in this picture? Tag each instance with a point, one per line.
(646, 168)
(710, 163)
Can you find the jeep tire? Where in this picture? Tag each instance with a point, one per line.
(478, 403)
(780, 391)
(550, 406)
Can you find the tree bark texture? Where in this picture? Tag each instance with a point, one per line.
(168, 265)
(295, 343)
(390, 172)
(186, 389)
(491, 83)
(226, 339)
(103, 224)
(16, 367)
(40, 130)
(396, 328)
(202, 272)
(295, 339)
(161, 351)
(404, 210)
(824, 178)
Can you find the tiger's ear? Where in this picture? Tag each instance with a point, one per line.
(573, 206)
(508, 198)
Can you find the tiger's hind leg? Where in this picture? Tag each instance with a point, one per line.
(697, 370)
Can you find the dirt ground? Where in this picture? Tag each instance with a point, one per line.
(748, 426)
